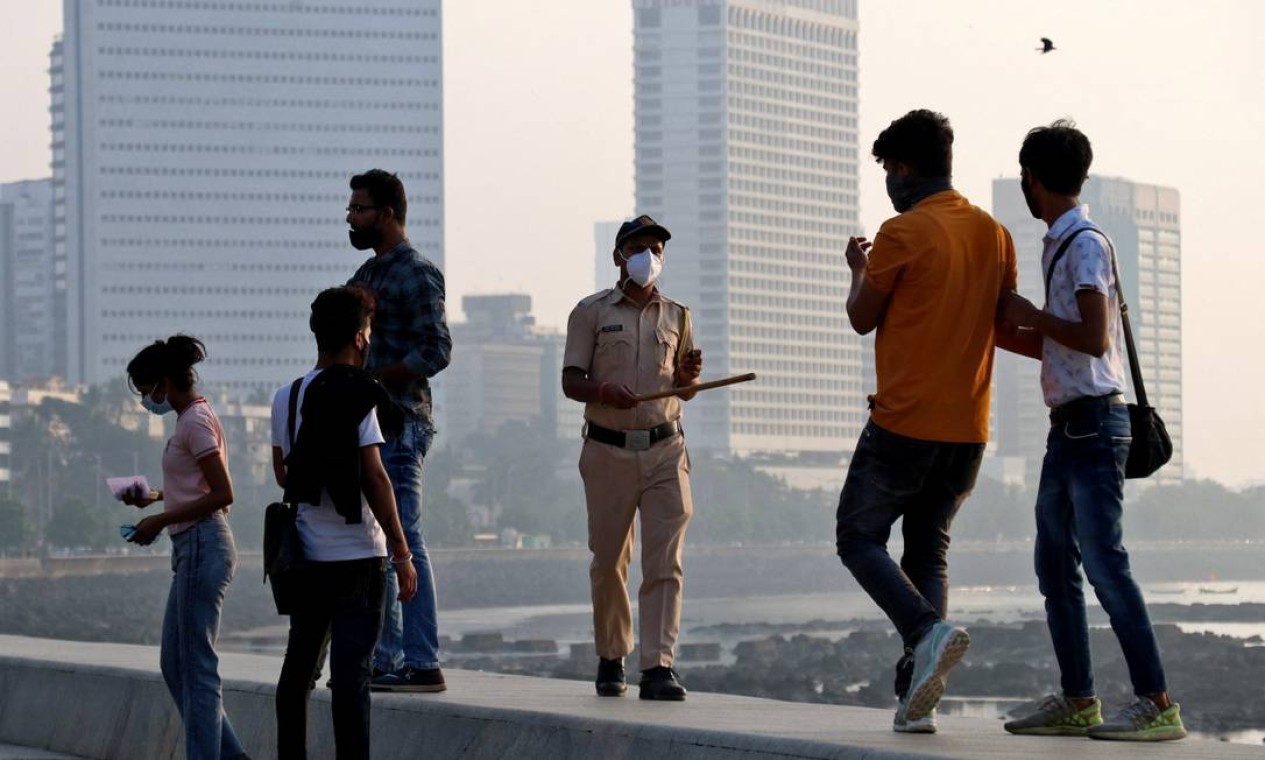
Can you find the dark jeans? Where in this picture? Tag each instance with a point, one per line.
(924, 482)
(410, 632)
(343, 613)
(1079, 506)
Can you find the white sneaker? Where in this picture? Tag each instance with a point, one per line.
(903, 725)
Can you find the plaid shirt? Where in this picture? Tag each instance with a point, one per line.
(408, 324)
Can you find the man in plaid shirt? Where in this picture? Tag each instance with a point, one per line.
(409, 344)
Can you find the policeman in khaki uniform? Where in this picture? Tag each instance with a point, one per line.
(623, 342)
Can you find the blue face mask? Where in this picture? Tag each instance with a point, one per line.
(156, 408)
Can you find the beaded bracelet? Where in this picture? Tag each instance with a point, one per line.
(401, 560)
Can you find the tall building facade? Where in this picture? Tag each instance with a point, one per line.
(28, 297)
(604, 272)
(746, 148)
(1144, 222)
(201, 154)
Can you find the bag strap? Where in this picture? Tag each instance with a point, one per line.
(1135, 368)
(294, 409)
(1058, 256)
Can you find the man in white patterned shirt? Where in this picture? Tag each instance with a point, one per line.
(1079, 339)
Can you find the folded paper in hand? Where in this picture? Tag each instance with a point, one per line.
(133, 483)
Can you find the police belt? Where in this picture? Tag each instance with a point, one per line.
(1084, 405)
(634, 440)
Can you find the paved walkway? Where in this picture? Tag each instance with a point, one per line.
(707, 725)
(10, 752)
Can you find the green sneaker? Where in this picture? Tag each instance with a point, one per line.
(1055, 715)
(1142, 721)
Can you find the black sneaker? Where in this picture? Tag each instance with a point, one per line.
(373, 675)
(662, 683)
(610, 678)
(411, 680)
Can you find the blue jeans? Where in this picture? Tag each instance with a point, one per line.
(1079, 505)
(202, 558)
(341, 612)
(923, 484)
(410, 632)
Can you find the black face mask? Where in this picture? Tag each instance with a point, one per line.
(364, 238)
(1027, 197)
(905, 191)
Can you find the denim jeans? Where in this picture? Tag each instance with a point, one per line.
(924, 482)
(410, 632)
(343, 614)
(1079, 506)
(203, 559)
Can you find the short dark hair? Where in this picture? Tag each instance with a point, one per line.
(170, 359)
(922, 140)
(1059, 156)
(385, 189)
(337, 315)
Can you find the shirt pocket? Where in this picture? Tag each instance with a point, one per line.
(614, 351)
(668, 339)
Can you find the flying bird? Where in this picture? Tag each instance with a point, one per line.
(1046, 45)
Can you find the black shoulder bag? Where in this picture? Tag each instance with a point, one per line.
(283, 547)
(1151, 447)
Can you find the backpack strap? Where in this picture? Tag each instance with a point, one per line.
(295, 387)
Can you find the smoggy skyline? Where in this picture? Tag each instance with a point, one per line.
(539, 125)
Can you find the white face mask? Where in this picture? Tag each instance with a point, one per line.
(643, 267)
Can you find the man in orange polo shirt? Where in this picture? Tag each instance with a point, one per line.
(930, 283)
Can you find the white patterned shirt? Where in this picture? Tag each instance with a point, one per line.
(1067, 374)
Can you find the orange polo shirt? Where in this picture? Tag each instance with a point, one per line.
(943, 264)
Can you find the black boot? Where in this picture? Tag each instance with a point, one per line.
(662, 683)
(610, 678)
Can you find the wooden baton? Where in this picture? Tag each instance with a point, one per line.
(700, 387)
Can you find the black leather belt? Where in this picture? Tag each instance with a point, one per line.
(1083, 405)
(635, 440)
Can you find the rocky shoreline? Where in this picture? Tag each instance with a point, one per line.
(1213, 676)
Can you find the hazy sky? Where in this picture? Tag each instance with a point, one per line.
(539, 128)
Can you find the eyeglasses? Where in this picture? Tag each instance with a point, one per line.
(356, 208)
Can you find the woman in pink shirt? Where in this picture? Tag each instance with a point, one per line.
(196, 495)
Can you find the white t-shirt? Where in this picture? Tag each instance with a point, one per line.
(327, 537)
(1067, 374)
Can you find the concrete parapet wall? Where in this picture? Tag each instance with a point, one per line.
(108, 702)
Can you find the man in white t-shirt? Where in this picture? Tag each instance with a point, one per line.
(328, 462)
(1080, 501)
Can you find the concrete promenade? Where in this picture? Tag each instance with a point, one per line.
(108, 701)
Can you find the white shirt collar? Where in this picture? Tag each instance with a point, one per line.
(1067, 221)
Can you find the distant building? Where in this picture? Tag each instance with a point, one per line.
(746, 148)
(1144, 222)
(248, 429)
(6, 439)
(507, 370)
(29, 319)
(604, 272)
(201, 153)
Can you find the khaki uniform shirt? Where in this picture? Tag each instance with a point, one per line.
(615, 342)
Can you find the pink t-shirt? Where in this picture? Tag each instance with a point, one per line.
(198, 435)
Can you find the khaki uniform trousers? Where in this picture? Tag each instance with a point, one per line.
(616, 483)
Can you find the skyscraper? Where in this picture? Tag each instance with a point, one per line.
(746, 148)
(28, 315)
(604, 272)
(202, 153)
(1144, 222)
